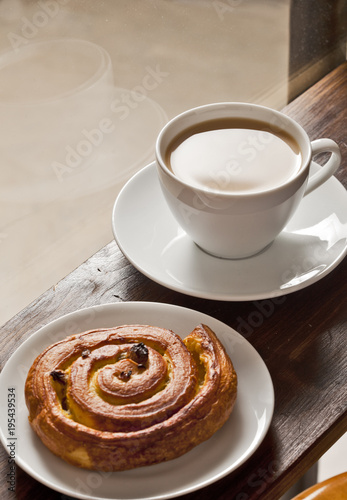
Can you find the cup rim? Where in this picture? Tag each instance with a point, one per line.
(297, 180)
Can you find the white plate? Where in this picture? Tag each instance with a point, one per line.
(223, 453)
(312, 245)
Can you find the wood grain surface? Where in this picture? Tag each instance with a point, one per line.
(301, 337)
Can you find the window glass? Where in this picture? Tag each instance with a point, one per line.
(85, 87)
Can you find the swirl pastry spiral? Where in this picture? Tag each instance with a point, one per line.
(134, 395)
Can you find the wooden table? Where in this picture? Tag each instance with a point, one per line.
(303, 341)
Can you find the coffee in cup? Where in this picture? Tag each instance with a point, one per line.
(234, 155)
(233, 174)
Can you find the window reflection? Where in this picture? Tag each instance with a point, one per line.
(166, 56)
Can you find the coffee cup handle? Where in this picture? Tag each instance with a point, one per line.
(329, 168)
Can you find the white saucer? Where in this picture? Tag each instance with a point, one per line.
(312, 245)
(224, 452)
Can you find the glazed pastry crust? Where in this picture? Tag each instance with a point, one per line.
(131, 396)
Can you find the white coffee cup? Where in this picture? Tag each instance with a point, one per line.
(239, 224)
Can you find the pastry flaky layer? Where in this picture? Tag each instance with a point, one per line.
(130, 396)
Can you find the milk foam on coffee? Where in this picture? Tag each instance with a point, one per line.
(234, 155)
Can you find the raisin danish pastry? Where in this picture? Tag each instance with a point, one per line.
(134, 395)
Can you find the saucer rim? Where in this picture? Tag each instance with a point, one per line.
(219, 296)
